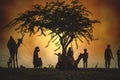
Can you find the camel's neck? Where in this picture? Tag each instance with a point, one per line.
(18, 44)
(78, 59)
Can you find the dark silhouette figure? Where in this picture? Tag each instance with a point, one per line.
(37, 62)
(85, 58)
(118, 57)
(70, 55)
(70, 58)
(13, 49)
(59, 63)
(108, 55)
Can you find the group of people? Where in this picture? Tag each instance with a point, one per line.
(37, 61)
(108, 56)
(71, 57)
(84, 56)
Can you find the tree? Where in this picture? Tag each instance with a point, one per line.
(65, 21)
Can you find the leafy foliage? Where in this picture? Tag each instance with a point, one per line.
(66, 21)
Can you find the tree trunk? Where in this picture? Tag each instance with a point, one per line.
(66, 63)
(64, 51)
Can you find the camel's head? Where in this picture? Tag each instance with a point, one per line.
(20, 41)
(81, 55)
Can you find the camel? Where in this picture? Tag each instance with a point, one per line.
(13, 49)
(67, 64)
(78, 60)
(74, 64)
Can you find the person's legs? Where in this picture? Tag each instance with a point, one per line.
(83, 64)
(86, 64)
(13, 60)
(14, 63)
(105, 63)
(109, 63)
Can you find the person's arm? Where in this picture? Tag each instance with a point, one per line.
(87, 55)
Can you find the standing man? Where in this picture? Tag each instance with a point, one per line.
(108, 55)
(118, 57)
(85, 58)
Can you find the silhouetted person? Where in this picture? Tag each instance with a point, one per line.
(118, 57)
(70, 58)
(108, 55)
(70, 54)
(36, 57)
(85, 58)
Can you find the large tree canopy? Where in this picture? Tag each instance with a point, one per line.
(65, 21)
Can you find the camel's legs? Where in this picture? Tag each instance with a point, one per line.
(17, 62)
(14, 62)
(16, 59)
(10, 63)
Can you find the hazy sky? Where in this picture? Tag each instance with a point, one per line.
(107, 11)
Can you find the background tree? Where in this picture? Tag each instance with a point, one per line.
(65, 21)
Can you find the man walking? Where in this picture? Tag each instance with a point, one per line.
(108, 55)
